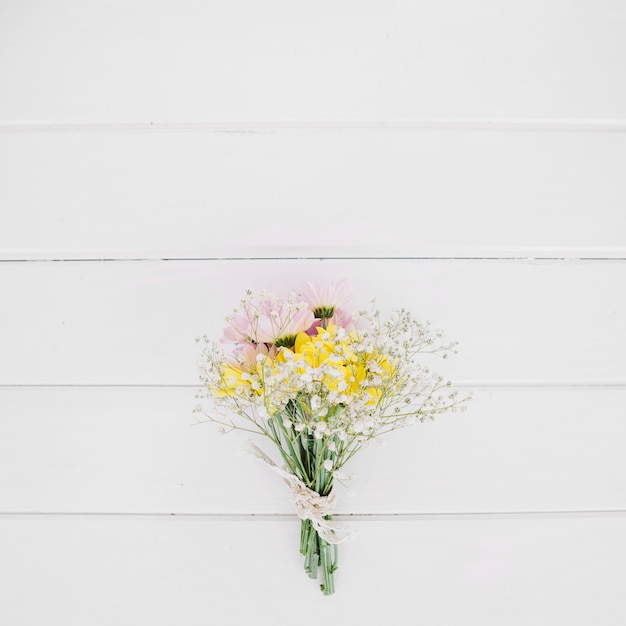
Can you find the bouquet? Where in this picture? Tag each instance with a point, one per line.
(320, 383)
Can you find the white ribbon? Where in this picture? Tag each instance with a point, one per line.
(308, 503)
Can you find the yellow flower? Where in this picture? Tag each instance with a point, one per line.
(230, 381)
(237, 382)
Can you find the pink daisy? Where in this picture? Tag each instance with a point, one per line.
(245, 355)
(281, 325)
(238, 329)
(340, 318)
(324, 298)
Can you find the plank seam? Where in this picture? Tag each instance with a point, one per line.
(312, 258)
(332, 125)
(469, 384)
(344, 516)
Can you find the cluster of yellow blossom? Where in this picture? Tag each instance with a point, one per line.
(336, 359)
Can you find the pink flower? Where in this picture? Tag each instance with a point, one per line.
(324, 298)
(343, 319)
(238, 329)
(340, 318)
(281, 325)
(245, 355)
(268, 320)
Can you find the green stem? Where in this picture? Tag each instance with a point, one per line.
(312, 554)
(306, 455)
(328, 568)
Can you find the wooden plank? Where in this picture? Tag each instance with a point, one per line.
(163, 571)
(379, 60)
(135, 322)
(139, 450)
(326, 194)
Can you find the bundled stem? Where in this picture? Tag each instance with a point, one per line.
(318, 553)
(305, 455)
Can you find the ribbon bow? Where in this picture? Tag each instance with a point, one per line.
(308, 503)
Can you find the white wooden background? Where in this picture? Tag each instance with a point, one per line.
(464, 160)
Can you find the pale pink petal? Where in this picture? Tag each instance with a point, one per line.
(282, 324)
(342, 319)
(300, 322)
(238, 329)
(330, 294)
(245, 355)
(266, 329)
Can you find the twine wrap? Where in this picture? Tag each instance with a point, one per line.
(308, 503)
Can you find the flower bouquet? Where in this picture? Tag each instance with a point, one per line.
(320, 383)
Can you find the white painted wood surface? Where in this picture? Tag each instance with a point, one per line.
(140, 450)
(382, 59)
(135, 322)
(236, 140)
(319, 193)
(166, 570)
